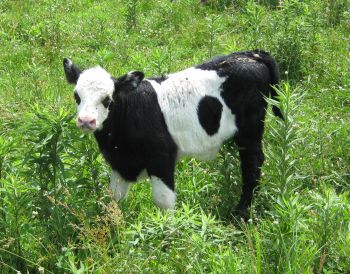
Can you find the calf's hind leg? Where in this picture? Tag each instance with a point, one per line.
(252, 158)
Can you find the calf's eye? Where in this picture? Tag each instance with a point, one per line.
(77, 98)
(106, 101)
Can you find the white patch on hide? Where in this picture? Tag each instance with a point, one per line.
(162, 195)
(93, 86)
(178, 97)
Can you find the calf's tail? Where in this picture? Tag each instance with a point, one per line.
(267, 59)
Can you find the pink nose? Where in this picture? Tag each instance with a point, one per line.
(86, 122)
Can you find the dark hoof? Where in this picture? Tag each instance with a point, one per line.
(241, 212)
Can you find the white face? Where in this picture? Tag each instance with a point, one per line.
(93, 93)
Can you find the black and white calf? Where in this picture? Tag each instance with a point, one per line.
(143, 126)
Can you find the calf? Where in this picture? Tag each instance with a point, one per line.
(143, 126)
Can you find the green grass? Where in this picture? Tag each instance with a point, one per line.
(56, 213)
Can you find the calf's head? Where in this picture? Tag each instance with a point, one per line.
(94, 92)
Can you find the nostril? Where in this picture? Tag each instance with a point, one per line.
(86, 122)
(92, 122)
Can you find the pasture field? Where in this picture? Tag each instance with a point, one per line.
(56, 213)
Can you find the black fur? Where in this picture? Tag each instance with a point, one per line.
(159, 79)
(135, 137)
(71, 71)
(77, 98)
(253, 70)
(209, 114)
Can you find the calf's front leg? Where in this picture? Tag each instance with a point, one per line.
(118, 186)
(163, 196)
(161, 172)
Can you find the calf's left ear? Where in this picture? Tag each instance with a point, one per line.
(135, 76)
(72, 71)
(130, 80)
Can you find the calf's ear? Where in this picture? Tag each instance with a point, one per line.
(129, 81)
(71, 71)
(135, 77)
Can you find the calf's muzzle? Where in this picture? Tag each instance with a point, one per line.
(86, 123)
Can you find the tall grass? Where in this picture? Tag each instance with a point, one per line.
(56, 213)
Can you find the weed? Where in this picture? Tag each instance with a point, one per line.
(131, 15)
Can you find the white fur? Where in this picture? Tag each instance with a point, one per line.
(93, 86)
(162, 195)
(178, 97)
(119, 186)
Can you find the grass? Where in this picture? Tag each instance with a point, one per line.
(56, 213)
